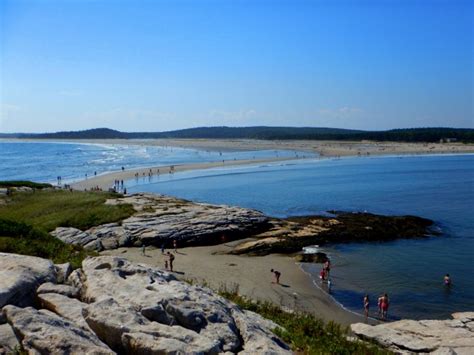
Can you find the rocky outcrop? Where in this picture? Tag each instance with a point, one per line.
(20, 276)
(455, 336)
(161, 219)
(293, 234)
(65, 290)
(43, 332)
(8, 340)
(114, 306)
(156, 295)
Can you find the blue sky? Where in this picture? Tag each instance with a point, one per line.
(162, 65)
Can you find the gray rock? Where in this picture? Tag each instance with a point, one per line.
(157, 295)
(8, 339)
(63, 271)
(256, 334)
(43, 332)
(20, 275)
(68, 308)
(76, 279)
(454, 336)
(162, 219)
(64, 290)
(127, 330)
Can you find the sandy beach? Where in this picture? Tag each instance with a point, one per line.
(325, 149)
(252, 275)
(106, 181)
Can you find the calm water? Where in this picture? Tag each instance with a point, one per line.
(44, 161)
(410, 271)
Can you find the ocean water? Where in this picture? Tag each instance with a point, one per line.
(45, 161)
(410, 271)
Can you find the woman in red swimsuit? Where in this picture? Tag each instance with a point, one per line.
(384, 306)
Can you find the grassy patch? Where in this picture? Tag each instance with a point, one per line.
(33, 185)
(305, 333)
(27, 218)
(21, 238)
(50, 209)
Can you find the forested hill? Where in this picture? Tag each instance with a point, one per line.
(270, 133)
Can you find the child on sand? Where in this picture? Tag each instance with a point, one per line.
(277, 275)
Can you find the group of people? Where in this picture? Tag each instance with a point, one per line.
(382, 304)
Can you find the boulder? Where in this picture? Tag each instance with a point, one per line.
(126, 330)
(43, 332)
(155, 295)
(8, 339)
(256, 334)
(64, 290)
(68, 308)
(20, 275)
(63, 271)
(162, 219)
(455, 336)
(319, 258)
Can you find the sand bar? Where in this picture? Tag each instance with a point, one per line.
(252, 275)
(105, 181)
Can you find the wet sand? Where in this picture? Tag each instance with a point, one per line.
(252, 275)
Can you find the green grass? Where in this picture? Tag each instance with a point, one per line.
(21, 238)
(26, 218)
(33, 185)
(50, 209)
(305, 333)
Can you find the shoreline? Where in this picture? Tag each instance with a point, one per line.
(105, 181)
(209, 266)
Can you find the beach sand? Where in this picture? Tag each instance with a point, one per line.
(321, 148)
(106, 181)
(252, 275)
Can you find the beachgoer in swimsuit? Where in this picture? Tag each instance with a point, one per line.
(447, 280)
(366, 306)
(171, 259)
(175, 245)
(277, 275)
(384, 306)
(143, 249)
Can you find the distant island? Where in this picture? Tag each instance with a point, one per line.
(438, 134)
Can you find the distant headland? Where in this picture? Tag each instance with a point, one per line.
(432, 134)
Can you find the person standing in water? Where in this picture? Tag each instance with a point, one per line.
(447, 280)
(384, 306)
(366, 306)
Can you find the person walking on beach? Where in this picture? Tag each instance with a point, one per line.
(366, 306)
(384, 306)
(162, 248)
(277, 275)
(143, 249)
(170, 259)
(175, 245)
